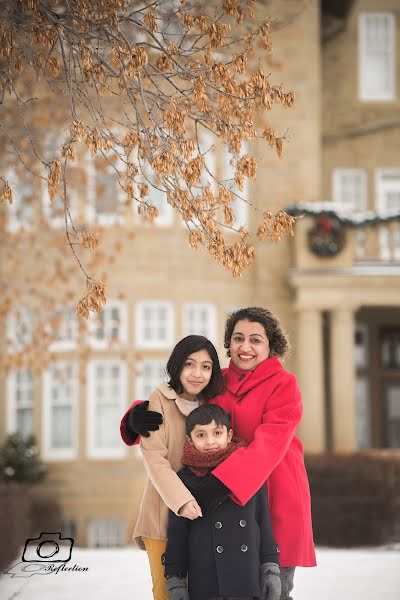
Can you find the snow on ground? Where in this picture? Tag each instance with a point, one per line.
(116, 574)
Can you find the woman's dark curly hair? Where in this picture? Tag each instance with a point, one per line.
(278, 342)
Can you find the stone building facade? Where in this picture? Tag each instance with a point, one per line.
(341, 311)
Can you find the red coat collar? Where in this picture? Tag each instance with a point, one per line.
(241, 382)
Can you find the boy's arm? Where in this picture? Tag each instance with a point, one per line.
(155, 455)
(269, 550)
(175, 557)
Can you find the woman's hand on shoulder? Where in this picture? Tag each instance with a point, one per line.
(191, 510)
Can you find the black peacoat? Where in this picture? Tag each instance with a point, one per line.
(221, 552)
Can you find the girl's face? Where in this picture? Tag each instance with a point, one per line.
(196, 374)
(249, 345)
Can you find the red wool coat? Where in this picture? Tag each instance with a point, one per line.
(265, 408)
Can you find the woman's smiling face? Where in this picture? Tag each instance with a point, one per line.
(249, 345)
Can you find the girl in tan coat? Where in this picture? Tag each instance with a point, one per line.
(194, 376)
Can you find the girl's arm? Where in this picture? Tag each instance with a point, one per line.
(248, 468)
(155, 455)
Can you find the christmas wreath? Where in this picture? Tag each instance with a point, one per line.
(326, 237)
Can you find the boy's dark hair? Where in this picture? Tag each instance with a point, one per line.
(188, 345)
(205, 414)
(278, 342)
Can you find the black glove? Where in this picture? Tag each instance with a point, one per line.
(211, 493)
(270, 583)
(177, 589)
(140, 420)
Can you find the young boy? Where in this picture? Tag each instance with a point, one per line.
(230, 552)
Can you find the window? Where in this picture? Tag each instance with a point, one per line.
(60, 402)
(107, 400)
(109, 327)
(20, 212)
(106, 533)
(155, 324)
(349, 188)
(105, 194)
(387, 201)
(151, 373)
(361, 346)
(76, 185)
(388, 190)
(239, 207)
(200, 318)
(377, 56)
(20, 328)
(390, 348)
(20, 402)
(64, 330)
(156, 197)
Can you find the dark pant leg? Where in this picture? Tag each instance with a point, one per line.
(287, 577)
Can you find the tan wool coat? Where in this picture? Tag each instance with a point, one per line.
(162, 453)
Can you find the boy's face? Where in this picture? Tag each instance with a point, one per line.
(206, 438)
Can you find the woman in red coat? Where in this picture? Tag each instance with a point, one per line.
(264, 402)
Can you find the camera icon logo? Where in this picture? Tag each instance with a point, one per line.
(48, 547)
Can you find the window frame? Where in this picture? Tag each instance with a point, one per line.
(139, 379)
(365, 95)
(107, 343)
(12, 404)
(48, 452)
(140, 341)
(65, 345)
(212, 318)
(93, 452)
(337, 187)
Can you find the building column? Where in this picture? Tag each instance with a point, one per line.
(310, 370)
(343, 398)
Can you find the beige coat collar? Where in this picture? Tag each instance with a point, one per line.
(170, 394)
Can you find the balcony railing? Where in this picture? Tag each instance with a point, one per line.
(327, 238)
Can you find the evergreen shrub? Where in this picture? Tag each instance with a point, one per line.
(355, 498)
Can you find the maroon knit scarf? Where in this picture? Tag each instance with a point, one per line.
(201, 463)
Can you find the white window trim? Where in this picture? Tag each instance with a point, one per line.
(165, 217)
(212, 318)
(14, 225)
(380, 207)
(144, 344)
(11, 327)
(58, 222)
(58, 454)
(92, 451)
(336, 173)
(11, 410)
(107, 344)
(103, 219)
(362, 94)
(139, 379)
(242, 213)
(65, 345)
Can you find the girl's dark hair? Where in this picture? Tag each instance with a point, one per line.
(205, 414)
(278, 342)
(188, 345)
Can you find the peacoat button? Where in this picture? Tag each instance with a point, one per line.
(242, 523)
(220, 549)
(218, 525)
(243, 548)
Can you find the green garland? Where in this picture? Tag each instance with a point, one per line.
(365, 219)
